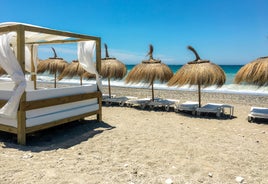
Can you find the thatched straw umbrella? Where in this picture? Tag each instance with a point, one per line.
(255, 72)
(112, 68)
(149, 71)
(75, 69)
(198, 72)
(88, 75)
(53, 65)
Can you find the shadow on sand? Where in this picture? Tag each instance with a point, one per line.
(59, 137)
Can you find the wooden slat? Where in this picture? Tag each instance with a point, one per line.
(9, 129)
(8, 28)
(58, 33)
(21, 130)
(59, 122)
(57, 41)
(47, 31)
(99, 115)
(2, 103)
(29, 105)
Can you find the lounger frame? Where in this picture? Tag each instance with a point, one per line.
(21, 130)
(258, 113)
(218, 109)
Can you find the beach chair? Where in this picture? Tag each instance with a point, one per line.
(166, 103)
(118, 100)
(187, 106)
(105, 96)
(148, 102)
(218, 109)
(258, 112)
(142, 102)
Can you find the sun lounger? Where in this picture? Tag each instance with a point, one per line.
(104, 96)
(118, 100)
(186, 106)
(218, 109)
(142, 102)
(258, 112)
(148, 102)
(166, 103)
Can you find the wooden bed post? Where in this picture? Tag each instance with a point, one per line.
(33, 74)
(21, 115)
(98, 67)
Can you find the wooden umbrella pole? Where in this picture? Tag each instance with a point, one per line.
(109, 87)
(152, 91)
(81, 83)
(55, 78)
(199, 94)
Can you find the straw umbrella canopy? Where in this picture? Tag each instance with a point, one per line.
(53, 65)
(75, 69)
(255, 72)
(199, 72)
(112, 68)
(88, 75)
(149, 71)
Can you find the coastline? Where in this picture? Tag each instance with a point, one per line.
(249, 99)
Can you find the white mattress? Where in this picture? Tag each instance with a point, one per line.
(40, 94)
(59, 92)
(259, 112)
(48, 114)
(9, 85)
(57, 108)
(51, 117)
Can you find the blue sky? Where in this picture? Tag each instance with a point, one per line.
(223, 31)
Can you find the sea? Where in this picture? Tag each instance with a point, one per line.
(228, 87)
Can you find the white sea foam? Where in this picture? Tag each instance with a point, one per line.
(227, 88)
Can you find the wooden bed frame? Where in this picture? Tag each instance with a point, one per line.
(21, 130)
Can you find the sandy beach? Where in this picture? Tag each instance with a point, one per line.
(134, 146)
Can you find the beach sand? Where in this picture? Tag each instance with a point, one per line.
(136, 146)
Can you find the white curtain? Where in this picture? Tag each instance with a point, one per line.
(28, 58)
(85, 52)
(10, 64)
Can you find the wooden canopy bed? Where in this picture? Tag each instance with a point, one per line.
(43, 108)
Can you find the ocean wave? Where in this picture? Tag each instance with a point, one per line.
(227, 88)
